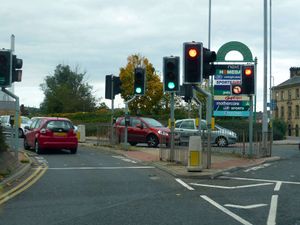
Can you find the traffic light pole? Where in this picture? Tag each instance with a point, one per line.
(17, 113)
(172, 151)
(126, 122)
(112, 109)
(208, 120)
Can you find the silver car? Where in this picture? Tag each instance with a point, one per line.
(219, 136)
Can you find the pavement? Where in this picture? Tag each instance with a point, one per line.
(221, 163)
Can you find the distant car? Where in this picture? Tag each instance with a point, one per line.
(219, 136)
(143, 130)
(51, 133)
(7, 121)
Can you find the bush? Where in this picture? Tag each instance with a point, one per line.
(279, 129)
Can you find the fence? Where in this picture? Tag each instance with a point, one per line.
(106, 135)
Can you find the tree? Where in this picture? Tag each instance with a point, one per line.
(150, 102)
(65, 91)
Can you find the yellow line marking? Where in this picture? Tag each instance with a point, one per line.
(24, 185)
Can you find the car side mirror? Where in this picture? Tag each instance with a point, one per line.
(27, 128)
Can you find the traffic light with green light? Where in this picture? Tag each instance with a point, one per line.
(171, 73)
(139, 81)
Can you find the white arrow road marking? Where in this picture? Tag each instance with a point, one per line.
(246, 206)
(228, 212)
(184, 184)
(234, 187)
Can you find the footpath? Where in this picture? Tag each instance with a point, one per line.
(221, 163)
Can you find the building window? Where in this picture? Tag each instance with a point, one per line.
(297, 93)
(282, 112)
(276, 112)
(297, 112)
(282, 95)
(297, 130)
(289, 94)
(290, 112)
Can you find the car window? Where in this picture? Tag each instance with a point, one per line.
(188, 124)
(59, 125)
(25, 119)
(122, 123)
(33, 124)
(135, 121)
(177, 124)
(152, 122)
(203, 125)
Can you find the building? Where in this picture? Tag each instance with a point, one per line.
(287, 99)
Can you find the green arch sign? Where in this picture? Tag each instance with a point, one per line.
(234, 46)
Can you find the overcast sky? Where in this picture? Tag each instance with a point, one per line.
(99, 35)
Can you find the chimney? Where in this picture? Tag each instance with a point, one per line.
(294, 71)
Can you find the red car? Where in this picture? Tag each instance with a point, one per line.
(143, 130)
(51, 133)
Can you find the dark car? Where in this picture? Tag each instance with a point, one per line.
(143, 130)
(51, 133)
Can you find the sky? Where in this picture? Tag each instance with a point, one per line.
(98, 35)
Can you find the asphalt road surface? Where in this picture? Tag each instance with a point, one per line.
(96, 187)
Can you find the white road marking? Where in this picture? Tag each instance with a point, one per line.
(273, 210)
(101, 168)
(277, 186)
(184, 184)
(246, 206)
(233, 187)
(123, 158)
(228, 212)
(262, 180)
(257, 167)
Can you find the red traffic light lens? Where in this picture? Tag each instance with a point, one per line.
(248, 71)
(193, 52)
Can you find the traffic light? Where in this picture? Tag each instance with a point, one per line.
(186, 91)
(208, 67)
(192, 54)
(171, 73)
(108, 86)
(248, 80)
(16, 69)
(139, 81)
(5, 78)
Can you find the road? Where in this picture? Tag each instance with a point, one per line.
(96, 187)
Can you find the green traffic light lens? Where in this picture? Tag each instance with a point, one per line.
(171, 85)
(138, 90)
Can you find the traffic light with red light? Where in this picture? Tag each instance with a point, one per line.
(5, 63)
(208, 67)
(192, 53)
(171, 73)
(248, 79)
(139, 81)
